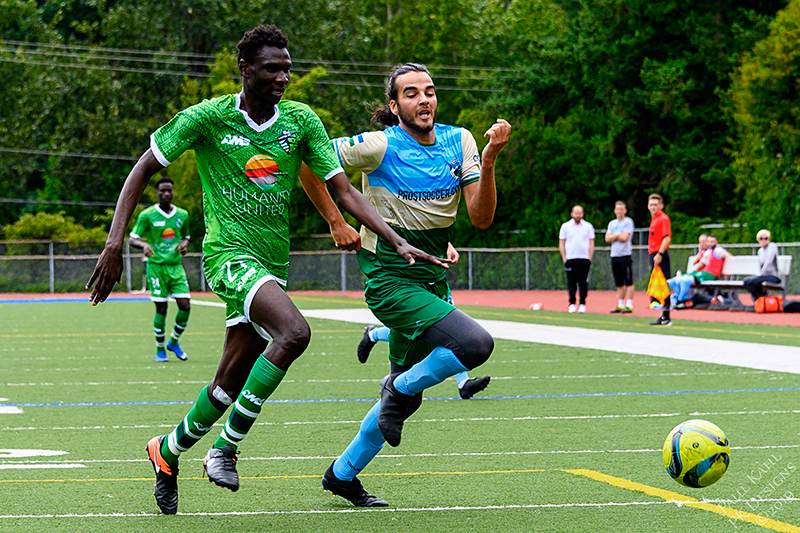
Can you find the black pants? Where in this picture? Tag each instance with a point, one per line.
(665, 267)
(753, 285)
(577, 277)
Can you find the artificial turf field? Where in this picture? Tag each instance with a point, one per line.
(551, 445)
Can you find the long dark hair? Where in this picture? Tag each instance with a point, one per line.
(382, 114)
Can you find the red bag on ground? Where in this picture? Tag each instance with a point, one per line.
(769, 304)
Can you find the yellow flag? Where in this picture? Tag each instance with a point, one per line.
(658, 288)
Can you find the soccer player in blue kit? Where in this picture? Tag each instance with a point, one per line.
(414, 174)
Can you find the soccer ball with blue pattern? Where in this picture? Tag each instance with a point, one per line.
(696, 453)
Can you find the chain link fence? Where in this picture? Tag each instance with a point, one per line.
(45, 267)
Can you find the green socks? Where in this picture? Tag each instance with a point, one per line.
(262, 382)
(197, 423)
(159, 329)
(181, 319)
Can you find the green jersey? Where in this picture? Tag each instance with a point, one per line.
(248, 171)
(163, 231)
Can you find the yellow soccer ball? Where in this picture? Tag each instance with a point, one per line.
(696, 453)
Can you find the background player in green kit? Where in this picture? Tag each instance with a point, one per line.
(161, 233)
(249, 148)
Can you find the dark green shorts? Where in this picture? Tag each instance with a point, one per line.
(408, 308)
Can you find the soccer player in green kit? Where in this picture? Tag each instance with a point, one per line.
(161, 234)
(249, 147)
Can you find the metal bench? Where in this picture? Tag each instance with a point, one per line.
(734, 270)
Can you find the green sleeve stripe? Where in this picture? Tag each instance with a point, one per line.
(469, 179)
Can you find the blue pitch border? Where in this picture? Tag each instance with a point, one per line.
(582, 395)
(72, 300)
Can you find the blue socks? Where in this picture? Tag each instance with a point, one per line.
(379, 334)
(365, 446)
(440, 364)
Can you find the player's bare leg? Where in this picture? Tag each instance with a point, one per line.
(274, 313)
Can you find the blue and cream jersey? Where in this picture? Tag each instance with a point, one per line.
(414, 187)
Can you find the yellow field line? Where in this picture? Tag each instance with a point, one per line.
(688, 501)
(301, 476)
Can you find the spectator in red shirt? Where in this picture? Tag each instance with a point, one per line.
(659, 238)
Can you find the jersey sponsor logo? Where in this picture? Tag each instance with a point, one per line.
(235, 140)
(286, 139)
(159, 223)
(252, 397)
(260, 169)
(436, 194)
(168, 234)
(258, 202)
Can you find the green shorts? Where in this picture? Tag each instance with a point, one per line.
(408, 308)
(236, 278)
(165, 281)
(702, 275)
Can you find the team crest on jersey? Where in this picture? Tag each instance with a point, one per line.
(286, 139)
(261, 169)
(455, 168)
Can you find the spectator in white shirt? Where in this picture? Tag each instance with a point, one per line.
(576, 244)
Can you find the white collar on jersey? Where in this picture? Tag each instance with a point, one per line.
(168, 215)
(250, 122)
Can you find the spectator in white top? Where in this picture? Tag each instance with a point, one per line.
(767, 266)
(620, 234)
(576, 244)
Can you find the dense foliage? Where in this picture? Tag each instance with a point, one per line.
(610, 99)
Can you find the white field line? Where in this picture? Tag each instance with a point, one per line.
(405, 456)
(737, 372)
(694, 414)
(38, 465)
(8, 409)
(400, 510)
(732, 353)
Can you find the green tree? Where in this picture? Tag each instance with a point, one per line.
(53, 227)
(628, 101)
(765, 106)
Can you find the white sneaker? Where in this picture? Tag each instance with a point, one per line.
(582, 308)
(572, 308)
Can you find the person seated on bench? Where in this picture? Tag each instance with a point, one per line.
(709, 267)
(767, 266)
(704, 296)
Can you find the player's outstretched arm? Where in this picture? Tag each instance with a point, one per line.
(143, 246)
(354, 203)
(108, 269)
(481, 196)
(344, 235)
